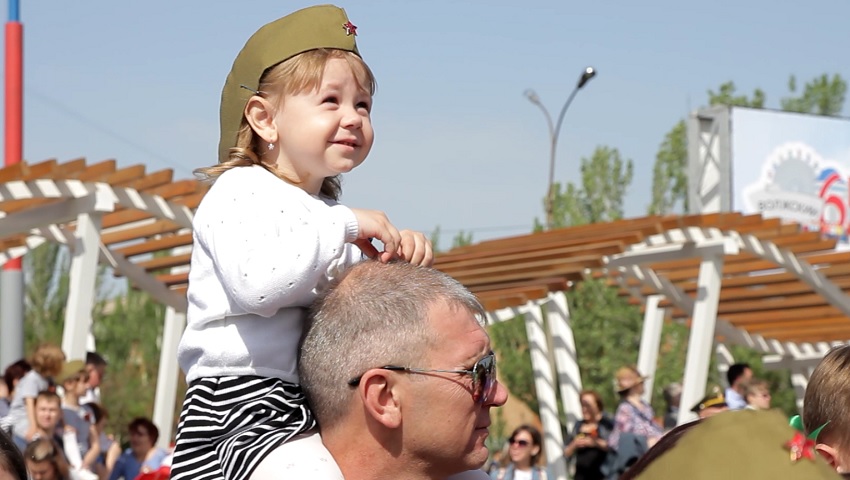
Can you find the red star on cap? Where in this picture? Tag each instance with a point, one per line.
(350, 28)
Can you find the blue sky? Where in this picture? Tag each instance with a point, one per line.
(457, 143)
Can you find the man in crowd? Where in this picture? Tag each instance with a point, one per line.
(96, 369)
(400, 374)
(737, 375)
(710, 405)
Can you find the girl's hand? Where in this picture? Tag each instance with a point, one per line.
(375, 224)
(415, 248)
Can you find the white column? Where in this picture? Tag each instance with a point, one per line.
(650, 342)
(566, 358)
(800, 380)
(544, 383)
(166, 384)
(82, 282)
(702, 334)
(724, 359)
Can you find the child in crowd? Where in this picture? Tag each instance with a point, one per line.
(757, 394)
(79, 419)
(11, 376)
(268, 236)
(827, 406)
(46, 362)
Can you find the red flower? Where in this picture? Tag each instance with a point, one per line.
(800, 447)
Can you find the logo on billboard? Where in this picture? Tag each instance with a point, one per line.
(797, 185)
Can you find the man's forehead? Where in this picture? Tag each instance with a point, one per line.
(457, 328)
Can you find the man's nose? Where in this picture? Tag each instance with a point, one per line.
(500, 396)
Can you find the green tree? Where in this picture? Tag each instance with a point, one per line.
(46, 294)
(726, 95)
(434, 238)
(462, 239)
(129, 334)
(607, 334)
(669, 174)
(510, 342)
(605, 176)
(822, 96)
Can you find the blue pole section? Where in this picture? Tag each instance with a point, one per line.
(14, 11)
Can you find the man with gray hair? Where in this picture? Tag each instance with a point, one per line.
(400, 374)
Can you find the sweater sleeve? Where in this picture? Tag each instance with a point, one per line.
(271, 244)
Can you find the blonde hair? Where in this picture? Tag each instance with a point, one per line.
(298, 74)
(827, 399)
(47, 450)
(755, 386)
(47, 360)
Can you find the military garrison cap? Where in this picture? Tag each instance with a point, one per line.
(714, 399)
(69, 369)
(321, 26)
(740, 444)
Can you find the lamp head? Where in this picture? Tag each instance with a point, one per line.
(588, 73)
(532, 97)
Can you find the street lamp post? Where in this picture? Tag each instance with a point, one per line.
(554, 131)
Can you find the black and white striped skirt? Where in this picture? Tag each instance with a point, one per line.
(229, 424)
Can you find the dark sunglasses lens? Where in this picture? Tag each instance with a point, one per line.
(485, 375)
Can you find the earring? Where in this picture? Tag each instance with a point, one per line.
(271, 147)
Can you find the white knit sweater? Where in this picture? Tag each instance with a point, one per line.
(262, 251)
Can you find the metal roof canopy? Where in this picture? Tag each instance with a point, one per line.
(785, 289)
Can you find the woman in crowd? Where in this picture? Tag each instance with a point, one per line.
(142, 456)
(589, 441)
(524, 452)
(635, 429)
(45, 460)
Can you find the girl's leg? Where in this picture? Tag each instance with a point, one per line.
(302, 457)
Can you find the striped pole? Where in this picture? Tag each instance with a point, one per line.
(11, 278)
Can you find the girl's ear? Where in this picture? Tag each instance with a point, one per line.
(260, 116)
(828, 453)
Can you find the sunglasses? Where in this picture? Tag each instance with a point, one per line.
(483, 375)
(521, 443)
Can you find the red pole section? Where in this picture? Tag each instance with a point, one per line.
(14, 103)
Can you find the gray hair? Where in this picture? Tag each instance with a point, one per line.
(376, 314)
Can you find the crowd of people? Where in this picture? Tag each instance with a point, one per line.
(602, 446)
(52, 413)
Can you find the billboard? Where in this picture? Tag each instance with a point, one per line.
(793, 166)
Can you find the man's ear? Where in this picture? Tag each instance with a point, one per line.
(380, 397)
(828, 453)
(260, 116)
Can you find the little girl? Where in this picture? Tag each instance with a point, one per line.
(270, 234)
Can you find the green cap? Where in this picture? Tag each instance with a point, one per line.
(739, 444)
(69, 369)
(322, 26)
